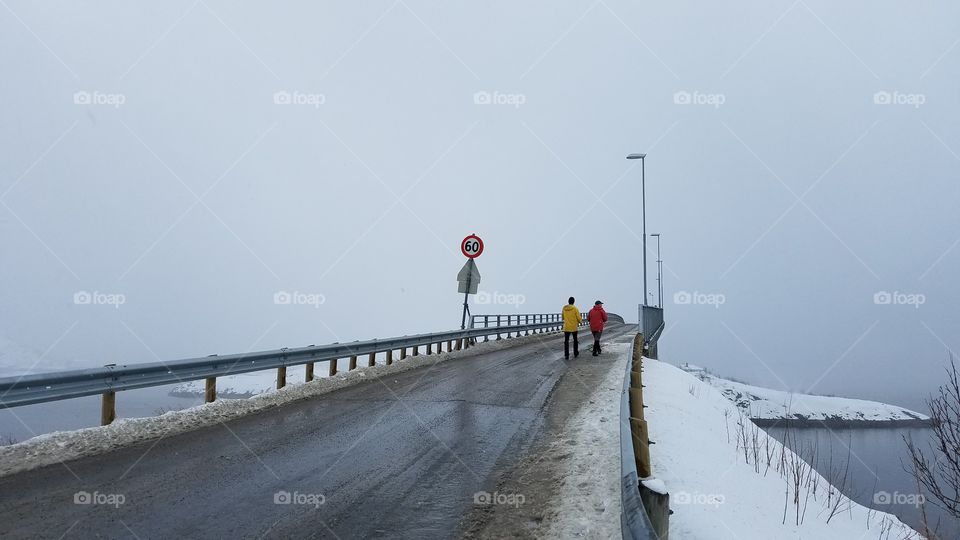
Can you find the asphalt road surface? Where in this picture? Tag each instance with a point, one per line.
(399, 457)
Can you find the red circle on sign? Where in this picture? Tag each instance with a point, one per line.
(471, 247)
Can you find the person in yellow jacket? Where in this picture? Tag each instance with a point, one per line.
(571, 324)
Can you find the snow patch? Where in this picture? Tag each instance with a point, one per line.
(588, 505)
(714, 493)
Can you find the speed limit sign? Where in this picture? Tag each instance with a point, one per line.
(471, 247)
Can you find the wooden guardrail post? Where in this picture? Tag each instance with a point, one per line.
(641, 446)
(416, 350)
(372, 359)
(403, 353)
(333, 367)
(429, 348)
(108, 408)
(210, 390)
(281, 377)
(353, 363)
(390, 357)
(308, 372)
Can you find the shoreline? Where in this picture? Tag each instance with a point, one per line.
(840, 423)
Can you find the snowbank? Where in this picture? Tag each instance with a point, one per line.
(61, 446)
(765, 404)
(588, 504)
(719, 490)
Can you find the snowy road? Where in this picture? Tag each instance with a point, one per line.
(400, 457)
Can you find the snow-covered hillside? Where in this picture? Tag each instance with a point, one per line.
(720, 488)
(766, 404)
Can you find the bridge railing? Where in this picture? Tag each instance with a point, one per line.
(107, 380)
(645, 503)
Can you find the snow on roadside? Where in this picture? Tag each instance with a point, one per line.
(716, 495)
(62, 446)
(588, 505)
(765, 403)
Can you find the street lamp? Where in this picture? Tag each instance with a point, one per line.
(659, 273)
(643, 204)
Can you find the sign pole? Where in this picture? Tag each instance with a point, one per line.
(471, 247)
(463, 321)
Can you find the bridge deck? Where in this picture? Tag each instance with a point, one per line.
(402, 456)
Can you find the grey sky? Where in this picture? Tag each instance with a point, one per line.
(787, 187)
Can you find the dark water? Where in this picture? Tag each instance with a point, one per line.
(22, 423)
(878, 468)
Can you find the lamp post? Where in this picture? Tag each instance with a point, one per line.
(643, 205)
(659, 273)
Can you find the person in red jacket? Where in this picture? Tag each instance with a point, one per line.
(597, 317)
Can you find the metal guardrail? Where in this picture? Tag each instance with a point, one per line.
(45, 387)
(484, 321)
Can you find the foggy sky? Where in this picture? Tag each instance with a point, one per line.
(788, 192)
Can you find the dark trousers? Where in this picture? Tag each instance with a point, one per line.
(566, 344)
(596, 342)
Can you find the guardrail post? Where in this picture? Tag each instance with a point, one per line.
(281, 377)
(403, 353)
(450, 346)
(641, 446)
(459, 343)
(108, 408)
(333, 367)
(429, 348)
(210, 390)
(308, 372)
(372, 359)
(498, 331)
(389, 360)
(416, 350)
(353, 363)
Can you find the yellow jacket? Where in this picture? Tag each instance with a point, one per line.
(571, 318)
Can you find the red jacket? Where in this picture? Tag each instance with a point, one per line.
(597, 317)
